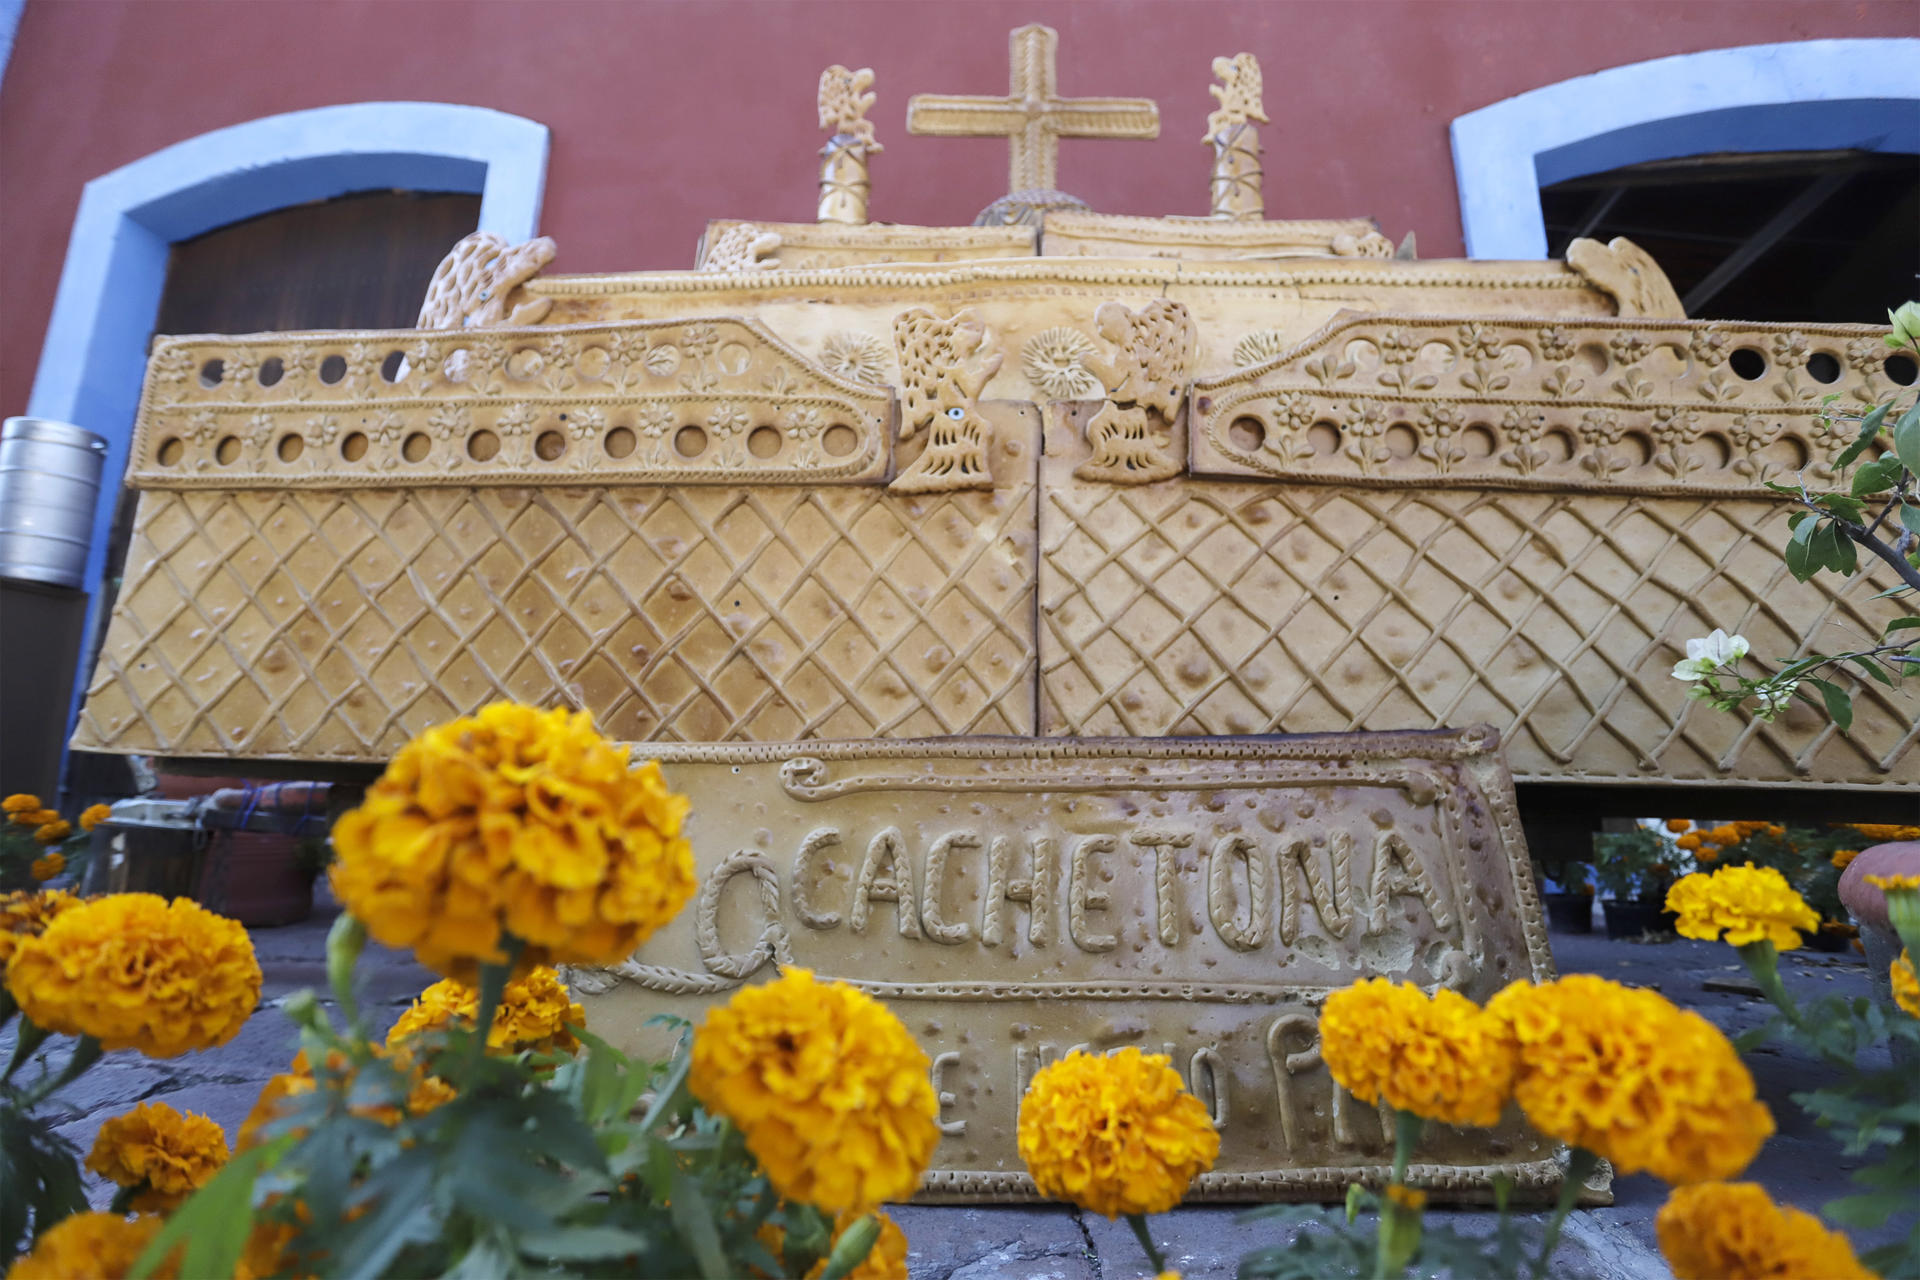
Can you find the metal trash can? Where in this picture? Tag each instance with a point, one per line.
(147, 846)
(49, 486)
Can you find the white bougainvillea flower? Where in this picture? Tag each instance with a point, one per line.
(1708, 654)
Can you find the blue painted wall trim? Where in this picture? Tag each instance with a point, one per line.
(1809, 95)
(94, 356)
(10, 11)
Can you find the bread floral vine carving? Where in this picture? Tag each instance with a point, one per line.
(1055, 363)
(479, 285)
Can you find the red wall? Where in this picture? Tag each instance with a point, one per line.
(667, 112)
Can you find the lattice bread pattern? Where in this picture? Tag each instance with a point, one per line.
(336, 624)
(1229, 608)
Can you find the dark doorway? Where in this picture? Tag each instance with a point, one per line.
(1826, 236)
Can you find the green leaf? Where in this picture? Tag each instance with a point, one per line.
(215, 1220)
(1846, 507)
(1839, 704)
(1877, 476)
(1910, 516)
(1869, 428)
(688, 1207)
(578, 1244)
(1906, 439)
(1871, 667)
(1903, 624)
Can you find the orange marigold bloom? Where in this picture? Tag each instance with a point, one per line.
(887, 1260)
(170, 1154)
(514, 821)
(1115, 1133)
(94, 1246)
(1885, 832)
(829, 1089)
(1407, 1197)
(48, 865)
(1841, 857)
(1677, 825)
(1893, 884)
(26, 915)
(93, 815)
(1440, 1057)
(53, 832)
(1624, 1073)
(536, 1012)
(33, 817)
(138, 972)
(19, 802)
(1734, 1231)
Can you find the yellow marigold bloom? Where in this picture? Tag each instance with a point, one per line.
(536, 1012)
(887, 1260)
(1892, 884)
(1841, 857)
(1442, 1058)
(281, 1087)
(138, 972)
(1677, 825)
(1734, 1231)
(93, 815)
(1906, 983)
(1747, 904)
(514, 821)
(1115, 1133)
(19, 802)
(94, 1246)
(172, 1154)
(830, 1091)
(48, 865)
(25, 915)
(1630, 1077)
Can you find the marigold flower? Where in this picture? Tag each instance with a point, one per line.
(514, 821)
(1747, 904)
(172, 1154)
(19, 802)
(48, 865)
(1630, 1077)
(887, 1260)
(1841, 857)
(1734, 1231)
(93, 815)
(138, 972)
(1885, 832)
(99, 1246)
(1407, 1197)
(536, 1012)
(1906, 983)
(1442, 1058)
(1690, 841)
(830, 1091)
(25, 915)
(1677, 825)
(266, 1107)
(1707, 855)
(1892, 884)
(1115, 1133)
(53, 832)
(1725, 834)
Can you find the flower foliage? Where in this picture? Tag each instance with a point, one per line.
(1115, 1133)
(1734, 1231)
(1746, 904)
(536, 1012)
(514, 821)
(1625, 1074)
(830, 1091)
(99, 1246)
(137, 972)
(887, 1260)
(153, 1146)
(1441, 1057)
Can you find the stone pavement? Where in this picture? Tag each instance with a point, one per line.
(1801, 1164)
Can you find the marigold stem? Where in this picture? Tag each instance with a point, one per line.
(344, 943)
(493, 984)
(1580, 1164)
(1763, 964)
(1138, 1221)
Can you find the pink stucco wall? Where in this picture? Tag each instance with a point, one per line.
(667, 112)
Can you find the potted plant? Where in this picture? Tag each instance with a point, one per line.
(1570, 906)
(1637, 868)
